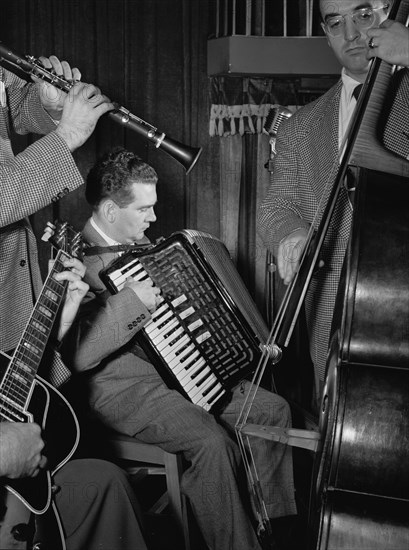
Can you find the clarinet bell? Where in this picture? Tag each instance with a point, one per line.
(186, 155)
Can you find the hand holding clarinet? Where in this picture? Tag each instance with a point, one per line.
(80, 110)
(77, 108)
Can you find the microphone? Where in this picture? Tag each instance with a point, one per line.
(275, 117)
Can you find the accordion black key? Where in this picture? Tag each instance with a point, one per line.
(207, 334)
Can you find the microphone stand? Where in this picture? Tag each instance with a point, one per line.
(274, 118)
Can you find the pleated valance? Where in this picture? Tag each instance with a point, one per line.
(240, 105)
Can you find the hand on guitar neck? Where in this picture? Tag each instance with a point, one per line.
(76, 290)
(29, 405)
(63, 237)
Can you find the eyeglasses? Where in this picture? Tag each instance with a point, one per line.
(363, 18)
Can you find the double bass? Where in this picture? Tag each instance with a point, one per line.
(360, 486)
(361, 482)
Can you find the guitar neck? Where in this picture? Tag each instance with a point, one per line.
(18, 379)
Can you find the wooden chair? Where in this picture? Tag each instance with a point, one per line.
(154, 460)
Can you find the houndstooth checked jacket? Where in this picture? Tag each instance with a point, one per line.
(307, 151)
(42, 173)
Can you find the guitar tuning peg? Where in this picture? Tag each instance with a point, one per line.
(48, 231)
(61, 229)
(76, 244)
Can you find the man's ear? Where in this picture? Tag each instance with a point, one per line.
(109, 210)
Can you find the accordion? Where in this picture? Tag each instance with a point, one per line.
(207, 334)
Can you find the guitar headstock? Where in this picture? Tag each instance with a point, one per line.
(63, 237)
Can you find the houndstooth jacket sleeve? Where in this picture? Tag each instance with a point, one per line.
(306, 161)
(45, 171)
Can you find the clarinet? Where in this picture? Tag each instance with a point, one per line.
(30, 66)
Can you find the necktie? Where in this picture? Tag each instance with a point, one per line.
(357, 91)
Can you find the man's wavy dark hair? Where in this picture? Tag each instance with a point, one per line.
(113, 175)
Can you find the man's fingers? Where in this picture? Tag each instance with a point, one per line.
(61, 68)
(52, 63)
(76, 74)
(92, 94)
(66, 70)
(281, 262)
(386, 24)
(75, 265)
(80, 286)
(66, 276)
(45, 62)
(41, 463)
(57, 65)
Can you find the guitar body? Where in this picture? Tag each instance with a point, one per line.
(20, 529)
(49, 532)
(49, 409)
(14, 516)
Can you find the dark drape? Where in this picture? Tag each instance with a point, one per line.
(238, 113)
(150, 57)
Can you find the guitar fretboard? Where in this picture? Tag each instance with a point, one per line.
(17, 382)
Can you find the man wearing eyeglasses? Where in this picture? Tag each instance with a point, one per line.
(308, 150)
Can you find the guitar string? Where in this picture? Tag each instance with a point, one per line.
(15, 390)
(67, 241)
(11, 388)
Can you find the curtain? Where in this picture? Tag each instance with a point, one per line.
(238, 113)
(150, 57)
(241, 105)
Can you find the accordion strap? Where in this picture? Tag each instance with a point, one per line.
(95, 250)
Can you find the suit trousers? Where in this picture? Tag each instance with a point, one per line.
(152, 413)
(97, 507)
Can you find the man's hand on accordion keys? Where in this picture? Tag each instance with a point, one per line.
(147, 292)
